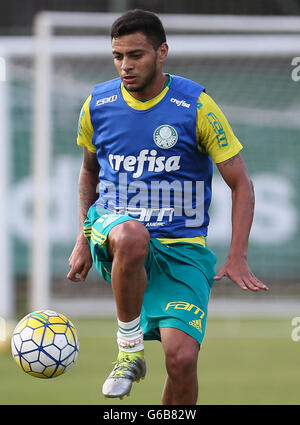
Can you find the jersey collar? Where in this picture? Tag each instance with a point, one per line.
(144, 105)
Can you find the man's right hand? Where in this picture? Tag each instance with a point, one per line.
(80, 261)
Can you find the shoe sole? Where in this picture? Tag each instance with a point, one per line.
(107, 397)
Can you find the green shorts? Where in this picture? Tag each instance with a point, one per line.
(180, 276)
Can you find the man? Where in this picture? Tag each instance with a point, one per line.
(149, 139)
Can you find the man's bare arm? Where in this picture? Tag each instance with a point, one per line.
(80, 260)
(87, 186)
(236, 176)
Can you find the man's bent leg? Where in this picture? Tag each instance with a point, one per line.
(181, 354)
(128, 248)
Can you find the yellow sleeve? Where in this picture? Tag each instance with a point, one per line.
(85, 128)
(214, 134)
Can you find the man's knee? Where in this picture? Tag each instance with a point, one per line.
(129, 240)
(181, 362)
(181, 352)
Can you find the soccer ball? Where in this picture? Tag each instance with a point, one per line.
(45, 344)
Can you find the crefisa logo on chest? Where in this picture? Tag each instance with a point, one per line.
(151, 200)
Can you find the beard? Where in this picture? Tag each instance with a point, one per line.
(147, 81)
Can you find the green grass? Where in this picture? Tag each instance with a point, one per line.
(247, 361)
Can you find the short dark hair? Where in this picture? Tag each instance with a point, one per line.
(138, 20)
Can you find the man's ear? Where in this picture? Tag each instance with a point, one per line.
(163, 52)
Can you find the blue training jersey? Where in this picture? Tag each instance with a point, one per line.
(151, 167)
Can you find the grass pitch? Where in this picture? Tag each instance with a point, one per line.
(242, 361)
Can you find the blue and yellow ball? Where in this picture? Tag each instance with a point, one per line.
(45, 344)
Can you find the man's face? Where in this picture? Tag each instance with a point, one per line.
(137, 62)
